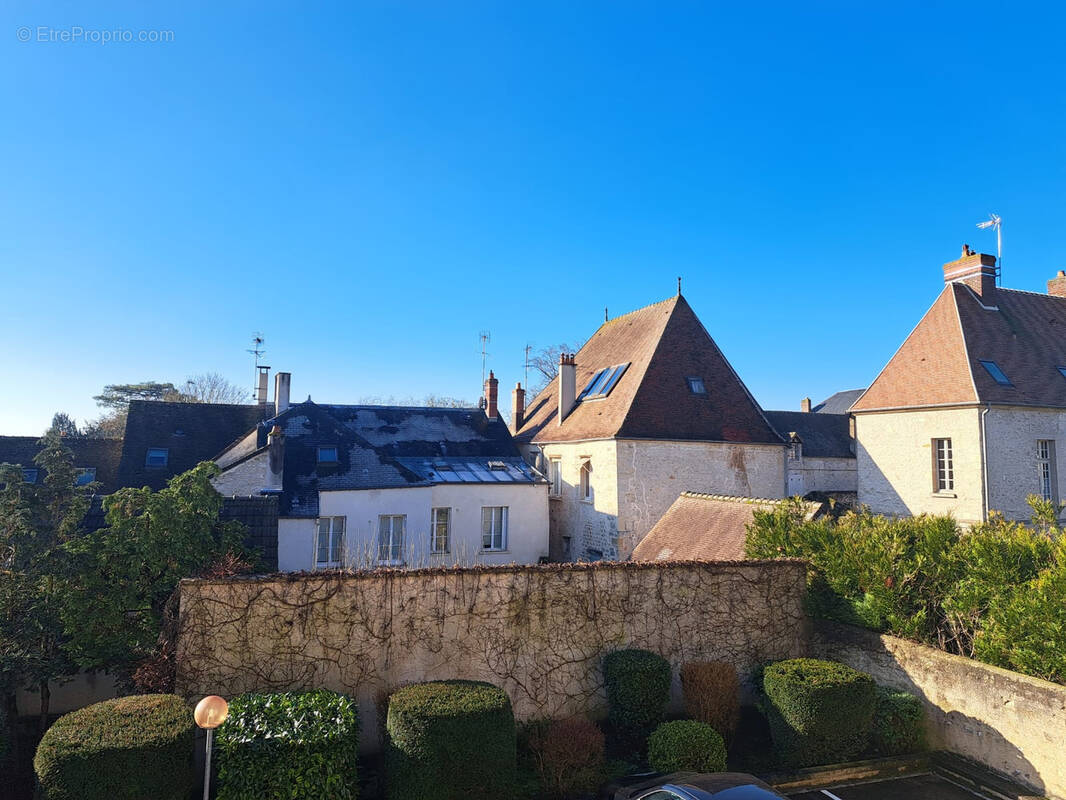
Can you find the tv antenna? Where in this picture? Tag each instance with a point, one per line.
(485, 337)
(257, 347)
(526, 365)
(995, 223)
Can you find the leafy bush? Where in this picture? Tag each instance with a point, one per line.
(450, 740)
(304, 744)
(686, 745)
(124, 749)
(638, 689)
(567, 754)
(898, 724)
(7, 735)
(820, 712)
(712, 694)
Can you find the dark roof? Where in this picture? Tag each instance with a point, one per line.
(100, 454)
(823, 435)
(663, 344)
(838, 403)
(381, 447)
(190, 432)
(1024, 333)
(705, 527)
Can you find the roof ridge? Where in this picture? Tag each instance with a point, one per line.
(1028, 291)
(707, 496)
(637, 310)
(192, 403)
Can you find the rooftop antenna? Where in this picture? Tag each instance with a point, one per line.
(995, 222)
(485, 338)
(257, 347)
(678, 285)
(259, 390)
(527, 365)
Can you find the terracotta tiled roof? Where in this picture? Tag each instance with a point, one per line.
(705, 527)
(664, 344)
(1024, 333)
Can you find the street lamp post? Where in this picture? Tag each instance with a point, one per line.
(209, 714)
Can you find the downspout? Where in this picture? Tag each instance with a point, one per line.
(984, 457)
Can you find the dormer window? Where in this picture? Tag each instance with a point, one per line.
(695, 385)
(603, 382)
(157, 457)
(327, 454)
(997, 374)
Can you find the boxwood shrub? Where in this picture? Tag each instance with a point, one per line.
(450, 740)
(820, 712)
(899, 723)
(638, 689)
(289, 744)
(686, 745)
(124, 749)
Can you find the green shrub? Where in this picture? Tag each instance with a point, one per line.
(7, 734)
(450, 740)
(125, 749)
(686, 746)
(820, 712)
(712, 694)
(899, 723)
(567, 755)
(304, 744)
(638, 689)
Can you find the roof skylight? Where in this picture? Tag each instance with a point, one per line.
(997, 374)
(603, 382)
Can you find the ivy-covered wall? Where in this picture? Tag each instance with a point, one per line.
(540, 632)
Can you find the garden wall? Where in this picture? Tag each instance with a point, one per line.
(540, 632)
(1009, 722)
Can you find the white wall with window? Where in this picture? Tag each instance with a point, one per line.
(423, 526)
(1024, 449)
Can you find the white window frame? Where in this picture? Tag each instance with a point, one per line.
(943, 466)
(390, 542)
(334, 532)
(1045, 465)
(435, 522)
(584, 483)
(494, 521)
(555, 473)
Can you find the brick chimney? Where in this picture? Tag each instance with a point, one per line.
(262, 380)
(567, 384)
(282, 383)
(518, 407)
(275, 459)
(1057, 285)
(805, 405)
(976, 270)
(492, 393)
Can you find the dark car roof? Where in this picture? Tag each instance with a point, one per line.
(716, 786)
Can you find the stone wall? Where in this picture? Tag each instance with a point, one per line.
(1011, 723)
(539, 632)
(1012, 463)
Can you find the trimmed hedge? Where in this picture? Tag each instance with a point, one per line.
(712, 694)
(820, 712)
(124, 749)
(638, 689)
(899, 723)
(450, 740)
(306, 743)
(686, 745)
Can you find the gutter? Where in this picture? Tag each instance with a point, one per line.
(984, 458)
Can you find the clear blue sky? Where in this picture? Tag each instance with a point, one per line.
(372, 184)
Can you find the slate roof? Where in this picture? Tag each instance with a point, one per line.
(823, 435)
(839, 403)
(191, 432)
(102, 454)
(384, 447)
(705, 527)
(663, 343)
(939, 362)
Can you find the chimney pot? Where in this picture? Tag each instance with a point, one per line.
(805, 405)
(567, 384)
(282, 384)
(518, 407)
(976, 270)
(492, 387)
(1057, 285)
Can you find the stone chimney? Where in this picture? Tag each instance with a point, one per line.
(518, 407)
(492, 396)
(805, 405)
(1057, 285)
(282, 382)
(976, 270)
(275, 458)
(262, 382)
(567, 384)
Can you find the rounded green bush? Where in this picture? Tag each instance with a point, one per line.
(450, 740)
(638, 688)
(899, 723)
(124, 749)
(686, 746)
(304, 742)
(820, 712)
